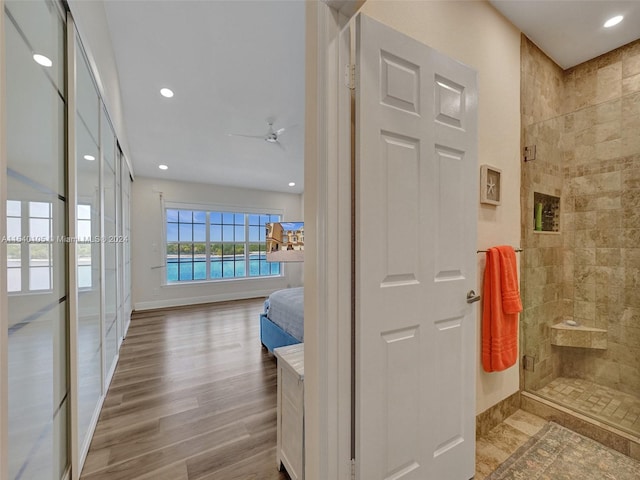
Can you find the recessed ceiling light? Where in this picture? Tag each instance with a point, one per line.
(292, 184)
(89, 157)
(163, 167)
(613, 21)
(166, 92)
(42, 60)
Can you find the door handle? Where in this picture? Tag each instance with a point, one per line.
(472, 297)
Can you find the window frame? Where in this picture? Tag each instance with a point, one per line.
(209, 209)
(83, 240)
(28, 240)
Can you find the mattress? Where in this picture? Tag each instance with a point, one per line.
(285, 308)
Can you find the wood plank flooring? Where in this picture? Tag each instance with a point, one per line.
(193, 397)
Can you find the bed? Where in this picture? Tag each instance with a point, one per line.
(282, 322)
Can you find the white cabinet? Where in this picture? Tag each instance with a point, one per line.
(290, 449)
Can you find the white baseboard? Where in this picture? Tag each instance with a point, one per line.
(179, 302)
(84, 450)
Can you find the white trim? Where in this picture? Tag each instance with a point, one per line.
(127, 323)
(118, 247)
(72, 260)
(111, 373)
(103, 306)
(347, 8)
(180, 302)
(328, 254)
(188, 283)
(342, 192)
(218, 207)
(4, 311)
(84, 448)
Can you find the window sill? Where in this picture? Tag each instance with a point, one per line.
(188, 283)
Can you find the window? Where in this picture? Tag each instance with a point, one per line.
(29, 246)
(214, 245)
(14, 248)
(84, 246)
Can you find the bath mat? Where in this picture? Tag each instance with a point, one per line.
(556, 453)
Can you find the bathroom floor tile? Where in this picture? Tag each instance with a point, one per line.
(496, 446)
(605, 404)
(526, 422)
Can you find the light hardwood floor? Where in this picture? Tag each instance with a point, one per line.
(193, 397)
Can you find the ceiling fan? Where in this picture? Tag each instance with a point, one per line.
(272, 136)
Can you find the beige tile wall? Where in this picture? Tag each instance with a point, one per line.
(542, 91)
(585, 123)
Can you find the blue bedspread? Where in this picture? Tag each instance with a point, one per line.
(285, 308)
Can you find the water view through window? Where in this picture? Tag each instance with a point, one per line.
(212, 245)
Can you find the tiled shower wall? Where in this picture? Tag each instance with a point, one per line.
(588, 153)
(542, 91)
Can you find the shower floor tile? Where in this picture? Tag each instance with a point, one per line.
(616, 408)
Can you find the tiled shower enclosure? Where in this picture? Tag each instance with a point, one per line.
(580, 283)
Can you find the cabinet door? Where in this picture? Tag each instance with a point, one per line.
(292, 424)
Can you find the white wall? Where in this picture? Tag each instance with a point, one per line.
(146, 242)
(474, 33)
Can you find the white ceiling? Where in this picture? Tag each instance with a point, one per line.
(571, 31)
(233, 64)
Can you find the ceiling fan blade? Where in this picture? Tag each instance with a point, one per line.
(280, 131)
(281, 146)
(246, 136)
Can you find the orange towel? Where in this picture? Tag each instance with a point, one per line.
(500, 310)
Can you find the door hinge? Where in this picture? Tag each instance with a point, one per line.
(353, 469)
(529, 363)
(529, 153)
(350, 76)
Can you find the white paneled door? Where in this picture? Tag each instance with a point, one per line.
(416, 215)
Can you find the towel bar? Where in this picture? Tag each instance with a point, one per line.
(517, 250)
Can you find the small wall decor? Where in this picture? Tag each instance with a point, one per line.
(285, 241)
(490, 187)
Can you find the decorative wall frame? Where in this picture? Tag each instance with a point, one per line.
(490, 185)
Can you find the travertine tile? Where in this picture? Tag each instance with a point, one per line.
(601, 402)
(498, 444)
(526, 422)
(506, 438)
(610, 257)
(631, 106)
(495, 415)
(488, 458)
(609, 82)
(631, 60)
(585, 256)
(590, 155)
(631, 84)
(630, 139)
(634, 451)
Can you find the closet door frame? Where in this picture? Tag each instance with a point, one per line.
(72, 258)
(4, 309)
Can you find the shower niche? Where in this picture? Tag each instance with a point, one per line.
(546, 213)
